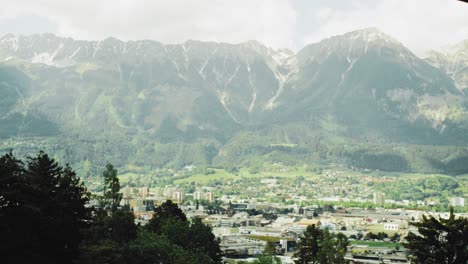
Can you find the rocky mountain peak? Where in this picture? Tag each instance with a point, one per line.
(370, 34)
(200, 86)
(453, 60)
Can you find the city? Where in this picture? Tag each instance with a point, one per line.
(247, 213)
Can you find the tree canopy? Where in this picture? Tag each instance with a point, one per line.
(193, 236)
(111, 194)
(42, 210)
(441, 241)
(318, 246)
(45, 217)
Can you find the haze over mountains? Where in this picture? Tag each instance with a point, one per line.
(363, 86)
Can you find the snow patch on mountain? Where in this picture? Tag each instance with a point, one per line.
(222, 98)
(10, 41)
(454, 61)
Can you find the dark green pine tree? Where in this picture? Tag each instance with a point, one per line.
(441, 241)
(112, 228)
(321, 247)
(111, 197)
(326, 251)
(14, 216)
(152, 248)
(268, 256)
(341, 246)
(332, 248)
(58, 200)
(11, 170)
(44, 210)
(195, 239)
(71, 198)
(308, 246)
(167, 211)
(203, 240)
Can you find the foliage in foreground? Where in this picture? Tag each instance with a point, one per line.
(45, 218)
(320, 246)
(441, 241)
(267, 257)
(42, 210)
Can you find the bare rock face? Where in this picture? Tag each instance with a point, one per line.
(453, 60)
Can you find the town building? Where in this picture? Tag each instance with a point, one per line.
(378, 198)
(457, 201)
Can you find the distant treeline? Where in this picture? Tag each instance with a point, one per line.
(90, 156)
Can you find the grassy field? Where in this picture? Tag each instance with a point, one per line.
(284, 172)
(374, 243)
(221, 174)
(126, 177)
(405, 175)
(376, 228)
(265, 238)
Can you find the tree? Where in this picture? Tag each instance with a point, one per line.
(360, 235)
(326, 251)
(308, 246)
(268, 256)
(111, 193)
(443, 241)
(101, 252)
(120, 224)
(167, 211)
(340, 247)
(153, 248)
(14, 215)
(267, 259)
(395, 237)
(203, 240)
(43, 212)
(72, 197)
(112, 228)
(123, 228)
(195, 237)
(11, 179)
(60, 199)
(320, 246)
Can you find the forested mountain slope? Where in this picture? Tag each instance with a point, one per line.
(347, 99)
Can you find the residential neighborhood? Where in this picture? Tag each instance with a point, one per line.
(246, 214)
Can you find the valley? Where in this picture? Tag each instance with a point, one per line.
(357, 100)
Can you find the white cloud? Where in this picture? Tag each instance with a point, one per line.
(420, 25)
(270, 22)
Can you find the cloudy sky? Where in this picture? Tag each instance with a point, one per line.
(419, 24)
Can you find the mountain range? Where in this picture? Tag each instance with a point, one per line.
(363, 87)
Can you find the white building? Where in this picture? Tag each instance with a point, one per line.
(178, 196)
(269, 181)
(209, 196)
(457, 201)
(282, 221)
(197, 195)
(391, 227)
(378, 198)
(143, 192)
